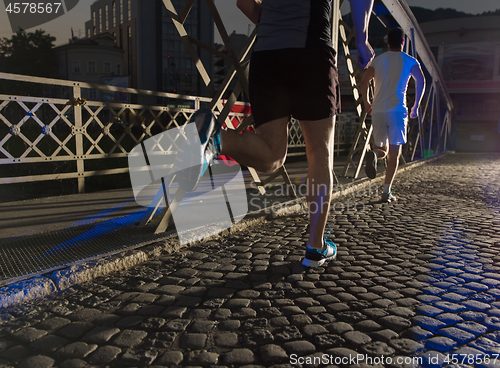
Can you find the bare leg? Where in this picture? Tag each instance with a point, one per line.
(264, 151)
(392, 165)
(381, 152)
(319, 137)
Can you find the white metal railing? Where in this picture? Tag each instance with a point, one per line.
(66, 137)
(70, 138)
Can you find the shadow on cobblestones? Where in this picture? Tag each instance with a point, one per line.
(414, 282)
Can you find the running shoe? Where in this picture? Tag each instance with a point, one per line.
(209, 131)
(316, 258)
(201, 157)
(371, 164)
(388, 197)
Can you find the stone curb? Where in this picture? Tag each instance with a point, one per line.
(53, 282)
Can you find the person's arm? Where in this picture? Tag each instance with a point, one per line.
(418, 75)
(251, 8)
(361, 11)
(365, 84)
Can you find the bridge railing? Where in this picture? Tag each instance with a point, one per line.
(49, 132)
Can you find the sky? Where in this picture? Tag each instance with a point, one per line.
(232, 17)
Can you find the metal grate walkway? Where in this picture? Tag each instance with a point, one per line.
(28, 255)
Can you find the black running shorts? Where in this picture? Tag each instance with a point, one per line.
(298, 82)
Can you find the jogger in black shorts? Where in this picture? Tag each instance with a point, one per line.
(293, 73)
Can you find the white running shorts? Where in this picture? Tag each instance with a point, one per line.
(389, 126)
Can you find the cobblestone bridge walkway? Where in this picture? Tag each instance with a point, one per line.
(416, 283)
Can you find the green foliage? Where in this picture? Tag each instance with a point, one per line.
(28, 53)
(495, 12)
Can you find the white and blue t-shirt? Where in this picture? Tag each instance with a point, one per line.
(392, 73)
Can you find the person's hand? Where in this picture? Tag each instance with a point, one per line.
(414, 112)
(368, 108)
(365, 54)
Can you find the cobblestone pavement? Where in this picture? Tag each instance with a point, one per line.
(415, 281)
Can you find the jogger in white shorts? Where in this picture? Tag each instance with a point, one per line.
(391, 71)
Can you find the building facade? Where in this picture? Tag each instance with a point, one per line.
(90, 60)
(468, 53)
(154, 55)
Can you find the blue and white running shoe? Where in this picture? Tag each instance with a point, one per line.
(200, 157)
(316, 258)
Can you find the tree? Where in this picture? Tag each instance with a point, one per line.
(28, 53)
(427, 15)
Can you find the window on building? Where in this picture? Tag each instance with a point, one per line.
(76, 67)
(106, 16)
(99, 25)
(193, 14)
(129, 10)
(91, 67)
(88, 33)
(92, 94)
(94, 21)
(114, 13)
(107, 68)
(118, 69)
(121, 11)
